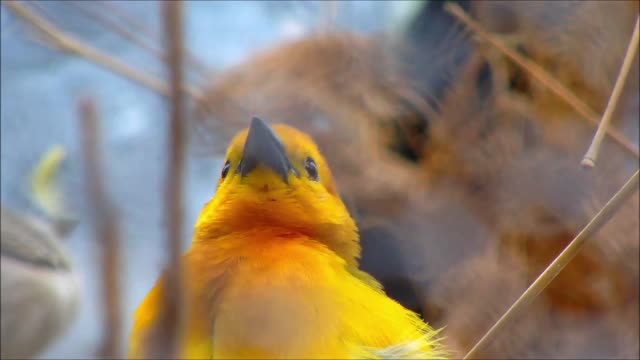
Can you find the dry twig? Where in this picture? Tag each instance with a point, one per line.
(101, 17)
(139, 35)
(601, 218)
(106, 231)
(44, 13)
(592, 153)
(71, 45)
(539, 73)
(169, 328)
(192, 60)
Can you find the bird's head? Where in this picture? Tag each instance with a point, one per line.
(275, 177)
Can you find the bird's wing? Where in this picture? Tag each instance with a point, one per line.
(144, 319)
(377, 327)
(201, 289)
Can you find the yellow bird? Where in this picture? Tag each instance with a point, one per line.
(272, 271)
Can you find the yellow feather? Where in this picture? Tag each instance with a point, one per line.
(273, 272)
(44, 189)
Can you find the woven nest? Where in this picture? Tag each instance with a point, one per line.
(468, 197)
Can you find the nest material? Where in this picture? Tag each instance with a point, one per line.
(581, 43)
(490, 195)
(338, 89)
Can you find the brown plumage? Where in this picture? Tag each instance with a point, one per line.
(476, 196)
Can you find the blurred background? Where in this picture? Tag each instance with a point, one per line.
(460, 167)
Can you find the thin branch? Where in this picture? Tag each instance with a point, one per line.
(169, 330)
(106, 231)
(192, 60)
(541, 75)
(112, 7)
(71, 45)
(100, 17)
(43, 12)
(592, 153)
(138, 37)
(601, 218)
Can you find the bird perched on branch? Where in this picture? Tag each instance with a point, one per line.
(273, 267)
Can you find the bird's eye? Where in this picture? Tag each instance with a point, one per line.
(311, 168)
(225, 169)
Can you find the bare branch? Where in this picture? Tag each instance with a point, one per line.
(592, 153)
(201, 69)
(601, 218)
(169, 328)
(44, 13)
(71, 45)
(140, 35)
(106, 231)
(541, 75)
(101, 17)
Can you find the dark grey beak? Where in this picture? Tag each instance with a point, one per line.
(264, 148)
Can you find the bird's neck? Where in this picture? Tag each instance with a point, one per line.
(237, 220)
(342, 241)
